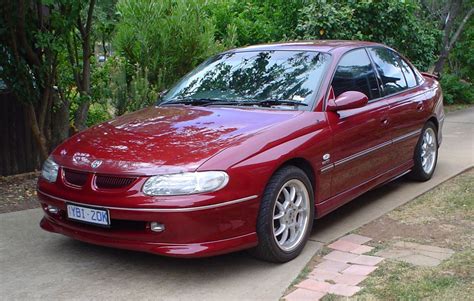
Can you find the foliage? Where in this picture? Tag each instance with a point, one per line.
(457, 82)
(245, 22)
(399, 24)
(456, 90)
(98, 113)
(164, 39)
(461, 60)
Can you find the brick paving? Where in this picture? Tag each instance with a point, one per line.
(340, 272)
(346, 266)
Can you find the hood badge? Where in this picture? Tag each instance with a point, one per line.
(96, 163)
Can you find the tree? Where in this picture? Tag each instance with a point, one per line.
(28, 61)
(452, 21)
(32, 53)
(80, 64)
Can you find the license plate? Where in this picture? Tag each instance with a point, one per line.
(91, 215)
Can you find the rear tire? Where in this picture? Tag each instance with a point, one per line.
(426, 154)
(286, 216)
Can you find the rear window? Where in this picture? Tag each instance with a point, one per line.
(389, 68)
(409, 74)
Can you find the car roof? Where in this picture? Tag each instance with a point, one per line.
(315, 45)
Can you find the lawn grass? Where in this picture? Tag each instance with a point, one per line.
(449, 211)
(442, 217)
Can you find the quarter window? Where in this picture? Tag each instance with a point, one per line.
(389, 69)
(409, 74)
(355, 73)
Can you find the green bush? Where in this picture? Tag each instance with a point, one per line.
(399, 24)
(97, 114)
(167, 37)
(456, 90)
(246, 22)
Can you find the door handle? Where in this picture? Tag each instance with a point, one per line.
(384, 121)
(419, 106)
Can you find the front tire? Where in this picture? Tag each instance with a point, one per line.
(426, 154)
(286, 216)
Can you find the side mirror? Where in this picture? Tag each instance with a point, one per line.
(348, 100)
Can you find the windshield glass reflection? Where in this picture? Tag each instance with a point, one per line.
(253, 76)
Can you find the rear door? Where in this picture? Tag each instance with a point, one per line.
(360, 136)
(407, 109)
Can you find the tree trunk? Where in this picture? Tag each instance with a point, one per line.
(85, 31)
(60, 119)
(37, 134)
(448, 41)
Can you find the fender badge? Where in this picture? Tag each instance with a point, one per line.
(96, 163)
(326, 157)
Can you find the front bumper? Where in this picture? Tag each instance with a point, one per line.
(189, 232)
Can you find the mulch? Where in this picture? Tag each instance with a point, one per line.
(18, 192)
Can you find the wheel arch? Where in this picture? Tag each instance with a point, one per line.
(435, 122)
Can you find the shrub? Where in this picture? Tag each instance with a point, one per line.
(167, 37)
(456, 90)
(399, 24)
(255, 21)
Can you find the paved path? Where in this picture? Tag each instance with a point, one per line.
(38, 265)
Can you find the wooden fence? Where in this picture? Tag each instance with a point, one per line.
(18, 151)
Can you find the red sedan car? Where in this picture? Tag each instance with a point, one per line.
(246, 151)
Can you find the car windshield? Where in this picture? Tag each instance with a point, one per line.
(268, 78)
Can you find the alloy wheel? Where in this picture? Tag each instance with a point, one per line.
(291, 215)
(428, 150)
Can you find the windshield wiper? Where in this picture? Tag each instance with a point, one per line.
(273, 102)
(214, 101)
(192, 101)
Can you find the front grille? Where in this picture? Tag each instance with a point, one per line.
(113, 182)
(74, 177)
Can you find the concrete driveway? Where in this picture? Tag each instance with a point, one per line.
(39, 265)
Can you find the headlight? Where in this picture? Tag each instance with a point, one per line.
(186, 183)
(50, 170)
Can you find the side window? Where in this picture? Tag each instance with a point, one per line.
(389, 69)
(409, 74)
(355, 73)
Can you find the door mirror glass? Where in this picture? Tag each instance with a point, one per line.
(348, 100)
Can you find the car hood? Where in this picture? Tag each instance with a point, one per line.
(159, 140)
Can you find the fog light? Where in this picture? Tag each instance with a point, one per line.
(157, 227)
(52, 209)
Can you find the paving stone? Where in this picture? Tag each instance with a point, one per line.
(342, 245)
(341, 256)
(344, 289)
(332, 266)
(314, 285)
(362, 270)
(322, 275)
(366, 260)
(349, 279)
(412, 245)
(356, 239)
(421, 260)
(394, 253)
(362, 249)
(301, 294)
(417, 254)
(437, 255)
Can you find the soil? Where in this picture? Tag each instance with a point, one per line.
(442, 217)
(18, 192)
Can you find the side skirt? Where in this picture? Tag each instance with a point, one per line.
(342, 198)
